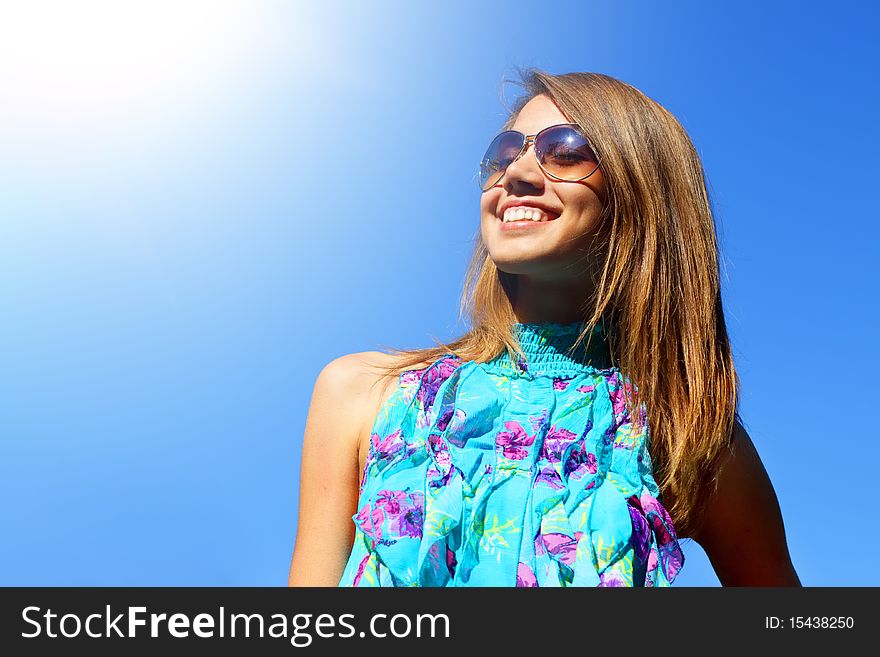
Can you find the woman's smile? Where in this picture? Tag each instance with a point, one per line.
(517, 224)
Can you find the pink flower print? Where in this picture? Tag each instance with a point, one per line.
(610, 437)
(445, 416)
(659, 518)
(641, 532)
(390, 501)
(448, 413)
(387, 447)
(370, 520)
(555, 443)
(561, 546)
(443, 460)
(525, 576)
(580, 462)
(432, 378)
(559, 383)
(410, 376)
(538, 421)
(438, 447)
(515, 441)
(617, 390)
(441, 470)
(586, 388)
(668, 552)
(549, 476)
(451, 561)
(590, 463)
(618, 402)
(671, 559)
(456, 424)
(612, 578)
(411, 519)
(363, 477)
(360, 570)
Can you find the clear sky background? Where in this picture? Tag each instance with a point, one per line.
(203, 203)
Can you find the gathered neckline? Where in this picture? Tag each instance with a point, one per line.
(548, 350)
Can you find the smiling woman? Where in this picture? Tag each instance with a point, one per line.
(588, 420)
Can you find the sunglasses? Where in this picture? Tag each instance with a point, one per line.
(562, 151)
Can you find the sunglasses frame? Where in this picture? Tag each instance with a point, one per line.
(530, 139)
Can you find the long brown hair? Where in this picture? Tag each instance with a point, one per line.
(658, 290)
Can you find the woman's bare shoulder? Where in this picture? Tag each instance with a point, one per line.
(369, 388)
(359, 375)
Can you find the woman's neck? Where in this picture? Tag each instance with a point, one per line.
(552, 301)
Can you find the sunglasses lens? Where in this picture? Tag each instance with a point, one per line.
(501, 152)
(565, 153)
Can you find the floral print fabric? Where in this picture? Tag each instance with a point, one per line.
(489, 474)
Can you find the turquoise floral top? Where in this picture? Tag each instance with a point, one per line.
(512, 474)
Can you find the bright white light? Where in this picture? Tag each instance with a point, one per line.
(66, 63)
(69, 66)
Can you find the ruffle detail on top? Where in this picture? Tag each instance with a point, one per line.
(483, 474)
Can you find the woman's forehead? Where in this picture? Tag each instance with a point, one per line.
(537, 114)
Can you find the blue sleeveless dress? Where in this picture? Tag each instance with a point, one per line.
(489, 474)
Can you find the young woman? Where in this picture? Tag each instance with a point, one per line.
(588, 420)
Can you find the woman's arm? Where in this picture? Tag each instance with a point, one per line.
(329, 477)
(743, 534)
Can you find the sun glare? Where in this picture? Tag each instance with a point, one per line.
(67, 65)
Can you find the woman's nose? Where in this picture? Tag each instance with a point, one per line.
(525, 169)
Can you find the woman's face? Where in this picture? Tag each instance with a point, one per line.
(551, 250)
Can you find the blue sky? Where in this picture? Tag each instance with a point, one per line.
(198, 214)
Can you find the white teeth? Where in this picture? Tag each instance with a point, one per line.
(521, 213)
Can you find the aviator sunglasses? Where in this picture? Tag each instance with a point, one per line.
(562, 151)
